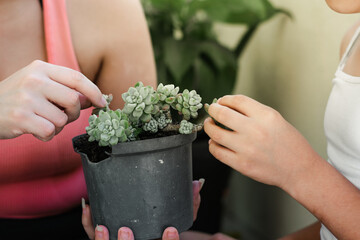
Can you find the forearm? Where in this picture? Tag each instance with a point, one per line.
(311, 232)
(330, 197)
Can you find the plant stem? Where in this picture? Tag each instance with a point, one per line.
(244, 40)
(176, 127)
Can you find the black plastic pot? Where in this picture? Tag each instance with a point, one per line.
(145, 185)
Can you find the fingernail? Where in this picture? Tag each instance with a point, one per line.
(103, 101)
(83, 203)
(171, 234)
(202, 182)
(125, 234)
(100, 231)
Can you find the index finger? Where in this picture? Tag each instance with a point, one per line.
(227, 116)
(243, 104)
(77, 81)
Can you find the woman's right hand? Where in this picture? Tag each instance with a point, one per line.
(42, 98)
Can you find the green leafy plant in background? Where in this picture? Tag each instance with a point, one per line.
(187, 50)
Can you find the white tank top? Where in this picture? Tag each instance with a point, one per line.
(342, 123)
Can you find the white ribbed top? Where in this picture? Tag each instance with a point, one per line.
(342, 124)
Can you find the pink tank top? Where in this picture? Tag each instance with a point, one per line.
(45, 178)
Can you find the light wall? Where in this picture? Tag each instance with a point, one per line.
(288, 65)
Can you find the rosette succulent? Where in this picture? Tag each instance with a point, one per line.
(188, 103)
(151, 126)
(167, 95)
(163, 121)
(109, 128)
(140, 102)
(186, 127)
(146, 111)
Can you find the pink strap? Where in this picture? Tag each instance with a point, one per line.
(60, 50)
(44, 178)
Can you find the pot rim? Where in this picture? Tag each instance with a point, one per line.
(153, 144)
(149, 145)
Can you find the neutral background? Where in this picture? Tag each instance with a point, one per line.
(288, 65)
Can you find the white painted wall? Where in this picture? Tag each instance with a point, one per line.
(288, 65)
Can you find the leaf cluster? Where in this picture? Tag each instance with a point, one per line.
(145, 110)
(187, 50)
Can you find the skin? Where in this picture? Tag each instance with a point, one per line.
(344, 6)
(48, 97)
(265, 147)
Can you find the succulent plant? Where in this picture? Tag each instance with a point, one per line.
(140, 102)
(188, 103)
(163, 121)
(151, 126)
(109, 128)
(186, 127)
(145, 110)
(167, 95)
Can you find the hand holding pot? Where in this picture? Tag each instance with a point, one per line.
(262, 145)
(42, 98)
(124, 233)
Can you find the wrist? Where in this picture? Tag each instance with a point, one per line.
(304, 176)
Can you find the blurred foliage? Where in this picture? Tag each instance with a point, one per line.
(187, 51)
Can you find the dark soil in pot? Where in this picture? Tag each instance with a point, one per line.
(145, 185)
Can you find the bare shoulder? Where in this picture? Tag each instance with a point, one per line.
(347, 37)
(112, 43)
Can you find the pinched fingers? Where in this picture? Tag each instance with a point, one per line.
(74, 80)
(228, 116)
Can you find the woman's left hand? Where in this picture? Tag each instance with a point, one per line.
(262, 145)
(125, 233)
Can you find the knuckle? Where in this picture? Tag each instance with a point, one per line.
(61, 120)
(25, 98)
(239, 98)
(37, 63)
(73, 99)
(16, 132)
(222, 115)
(32, 80)
(48, 131)
(271, 114)
(216, 136)
(17, 115)
(77, 77)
